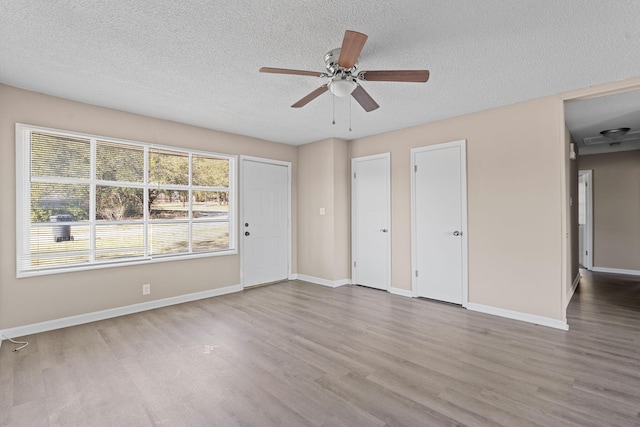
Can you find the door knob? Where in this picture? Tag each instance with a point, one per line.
(384, 230)
(246, 233)
(457, 233)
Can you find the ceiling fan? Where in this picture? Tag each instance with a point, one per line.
(341, 70)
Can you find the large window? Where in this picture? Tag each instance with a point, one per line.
(85, 201)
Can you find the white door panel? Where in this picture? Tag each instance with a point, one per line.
(439, 217)
(264, 224)
(370, 221)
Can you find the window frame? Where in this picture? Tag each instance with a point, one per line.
(23, 203)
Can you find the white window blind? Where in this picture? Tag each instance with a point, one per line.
(87, 202)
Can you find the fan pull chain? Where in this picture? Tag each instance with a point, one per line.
(333, 97)
(350, 114)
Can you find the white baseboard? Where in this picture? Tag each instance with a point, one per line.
(516, 315)
(323, 282)
(401, 292)
(65, 322)
(573, 288)
(293, 276)
(616, 271)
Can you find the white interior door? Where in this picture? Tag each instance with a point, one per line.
(264, 224)
(585, 219)
(371, 254)
(439, 222)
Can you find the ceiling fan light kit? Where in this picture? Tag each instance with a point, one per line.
(342, 87)
(341, 71)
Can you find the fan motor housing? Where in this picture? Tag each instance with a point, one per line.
(331, 63)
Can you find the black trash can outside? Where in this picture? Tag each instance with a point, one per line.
(62, 232)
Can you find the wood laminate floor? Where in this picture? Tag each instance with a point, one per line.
(297, 354)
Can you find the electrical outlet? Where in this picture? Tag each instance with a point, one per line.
(146, 289)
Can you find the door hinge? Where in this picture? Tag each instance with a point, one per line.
(586, 252)
(415, 168)
(416, 273)
(354, 264)
(354, 175)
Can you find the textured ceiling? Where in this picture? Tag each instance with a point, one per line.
(197, 61)
(587, 118)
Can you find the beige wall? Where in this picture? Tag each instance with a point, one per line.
(616, 208)
(516, 181)
(36, 299)
(324, 249)
(516, 170)
(573, 233)
(342, 208)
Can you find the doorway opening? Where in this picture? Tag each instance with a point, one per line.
(585, 219)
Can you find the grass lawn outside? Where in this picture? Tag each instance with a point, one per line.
(117, 241)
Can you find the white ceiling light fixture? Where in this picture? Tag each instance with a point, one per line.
(615, 133)
(613, 136)
(342, 86)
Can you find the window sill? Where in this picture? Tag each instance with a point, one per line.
(143, 261)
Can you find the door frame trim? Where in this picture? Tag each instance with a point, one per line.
(588, 244)
(241, 210)
(354, 249)
(462, 144)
